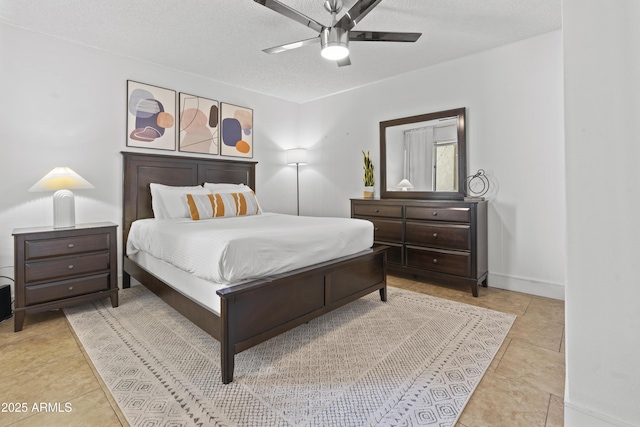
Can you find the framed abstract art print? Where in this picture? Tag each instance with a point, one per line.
(199, 130)
(150, 116)
(237, 131)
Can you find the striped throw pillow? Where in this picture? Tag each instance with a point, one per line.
(220, 205)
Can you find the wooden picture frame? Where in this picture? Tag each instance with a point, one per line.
(151, 112)
(236, 125)
(199, 127)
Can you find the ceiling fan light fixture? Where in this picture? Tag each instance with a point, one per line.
(335, 43)
(335, 52)
(334, 39)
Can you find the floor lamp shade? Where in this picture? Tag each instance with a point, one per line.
(62, 180)
(297, 156)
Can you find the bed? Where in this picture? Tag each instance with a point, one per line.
(251, 311)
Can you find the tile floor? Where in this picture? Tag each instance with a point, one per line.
(524, 386)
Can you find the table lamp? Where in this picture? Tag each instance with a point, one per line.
(405, 185)
(62, 180)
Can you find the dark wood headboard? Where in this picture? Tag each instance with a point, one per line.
(142, 169)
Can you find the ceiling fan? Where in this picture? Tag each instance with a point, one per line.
(334, 39)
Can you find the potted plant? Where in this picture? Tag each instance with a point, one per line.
(368, 175)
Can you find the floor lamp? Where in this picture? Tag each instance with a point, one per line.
(297, 156)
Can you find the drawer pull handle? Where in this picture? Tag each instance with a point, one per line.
(71, 266)
(435, 234)
(376, 210)
(376, 229)
(70, 288)
(70, 245)
(435, 213)
(435, 260)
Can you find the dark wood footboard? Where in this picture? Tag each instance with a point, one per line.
(254, 312)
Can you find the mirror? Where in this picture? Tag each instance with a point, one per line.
(424, 156)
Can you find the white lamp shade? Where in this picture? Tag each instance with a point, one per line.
(61, 178)
(405, 184)
(297, 156)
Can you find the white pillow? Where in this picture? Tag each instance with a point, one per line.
(169, 201)
(213, 186)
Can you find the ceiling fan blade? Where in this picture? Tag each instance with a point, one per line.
(294, 45)
(356, 13)
(382, 36)
(344, 61)
(285, 10)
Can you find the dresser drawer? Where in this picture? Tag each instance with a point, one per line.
(445, 236)
(387, 231)
(438, 213)
(68, 288)
(65, 267)
(457, 263)
(46, 248)
(373, 209)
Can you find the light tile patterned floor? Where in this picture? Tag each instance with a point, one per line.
(523, 387)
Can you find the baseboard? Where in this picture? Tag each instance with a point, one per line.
(578, 416)
(527, 286)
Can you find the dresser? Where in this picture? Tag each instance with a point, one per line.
(443, 241)
(58, 267)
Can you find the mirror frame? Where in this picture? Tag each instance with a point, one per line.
(462, 157)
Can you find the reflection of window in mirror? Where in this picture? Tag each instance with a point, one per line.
(445, 158)
(446, 167)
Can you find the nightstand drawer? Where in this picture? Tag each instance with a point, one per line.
(65, 267)
(46, 248)
(69, 288)
(372, 209)
(439, 235)
(458, 263)
(439, 214)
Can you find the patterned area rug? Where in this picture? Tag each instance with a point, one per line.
(414, 360)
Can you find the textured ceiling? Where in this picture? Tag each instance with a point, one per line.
(223, 39)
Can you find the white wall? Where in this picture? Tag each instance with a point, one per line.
(514, 100)
(602, 94)
(65, 105)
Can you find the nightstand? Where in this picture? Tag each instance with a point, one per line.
(58, 267)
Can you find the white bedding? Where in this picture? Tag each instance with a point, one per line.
(230, 250)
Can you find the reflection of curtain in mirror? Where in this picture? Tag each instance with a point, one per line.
(418, 155)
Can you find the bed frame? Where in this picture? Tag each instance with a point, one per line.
(253, 312)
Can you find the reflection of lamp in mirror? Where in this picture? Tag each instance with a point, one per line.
(405, 185)
(297, 156)
(62, 180)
